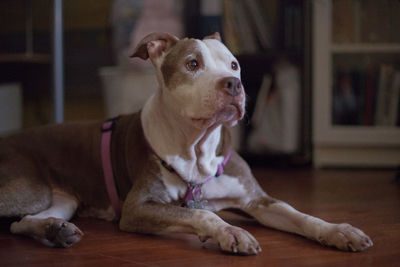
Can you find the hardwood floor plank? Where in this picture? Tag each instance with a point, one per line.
(368, 199)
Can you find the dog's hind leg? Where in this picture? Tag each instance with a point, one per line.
(51, 226)
(21, 196)
(23, 190)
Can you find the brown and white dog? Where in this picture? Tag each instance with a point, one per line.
(162, 157)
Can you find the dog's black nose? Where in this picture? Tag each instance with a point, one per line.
(230, 85)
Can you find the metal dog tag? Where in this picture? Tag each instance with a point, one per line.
(196, 204)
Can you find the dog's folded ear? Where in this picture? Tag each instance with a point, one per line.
(215, 36)
(154, 44)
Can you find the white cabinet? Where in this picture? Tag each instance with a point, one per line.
(348, 64)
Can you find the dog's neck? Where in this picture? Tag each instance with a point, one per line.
(190, 151)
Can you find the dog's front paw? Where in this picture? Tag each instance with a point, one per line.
(60, 233)
(236, 240)
(346, 237)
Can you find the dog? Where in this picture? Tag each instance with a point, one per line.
(166, 168)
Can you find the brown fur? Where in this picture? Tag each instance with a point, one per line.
(141, 49)
(173, 67)
(67, 157)
(64, 156)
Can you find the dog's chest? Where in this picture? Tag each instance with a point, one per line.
(175, 187)
(221, 187)
(192, 171)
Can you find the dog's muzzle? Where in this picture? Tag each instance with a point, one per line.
(230, 85)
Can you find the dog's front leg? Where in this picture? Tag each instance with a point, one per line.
(279, 215)
(159, 218)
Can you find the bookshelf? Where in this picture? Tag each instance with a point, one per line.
(354, 61)
(31, 57)
(365, 48)
(25, 58)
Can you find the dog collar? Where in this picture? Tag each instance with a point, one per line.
(192, 198)
(109, 179)
(193, 194)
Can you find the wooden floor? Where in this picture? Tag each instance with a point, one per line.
(368, 199)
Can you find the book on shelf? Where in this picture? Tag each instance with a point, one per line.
(379, 21)
(230, 35)
(370, 95)
(342, 16)
(246, 26)
(366, 97)
(260, 23)
(346, 98)
(292, 28)
(244, 29)
(398, 113)
(366, 21)
(388, 96)
(395, 101)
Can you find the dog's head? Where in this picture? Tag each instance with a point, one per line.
(199, 79)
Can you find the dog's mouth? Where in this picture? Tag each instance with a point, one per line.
(229, 114)
(232, 111)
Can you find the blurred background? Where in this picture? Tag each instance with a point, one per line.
(322, 76)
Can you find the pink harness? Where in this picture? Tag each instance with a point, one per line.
(108, 173)
(193, 194)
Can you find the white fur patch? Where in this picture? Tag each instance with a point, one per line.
(209, 162)
(224, 186)
(63, 206)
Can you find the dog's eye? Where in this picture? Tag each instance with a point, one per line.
(234, 65)
(192, 65)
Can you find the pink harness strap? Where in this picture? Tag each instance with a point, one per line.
(109, 179)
